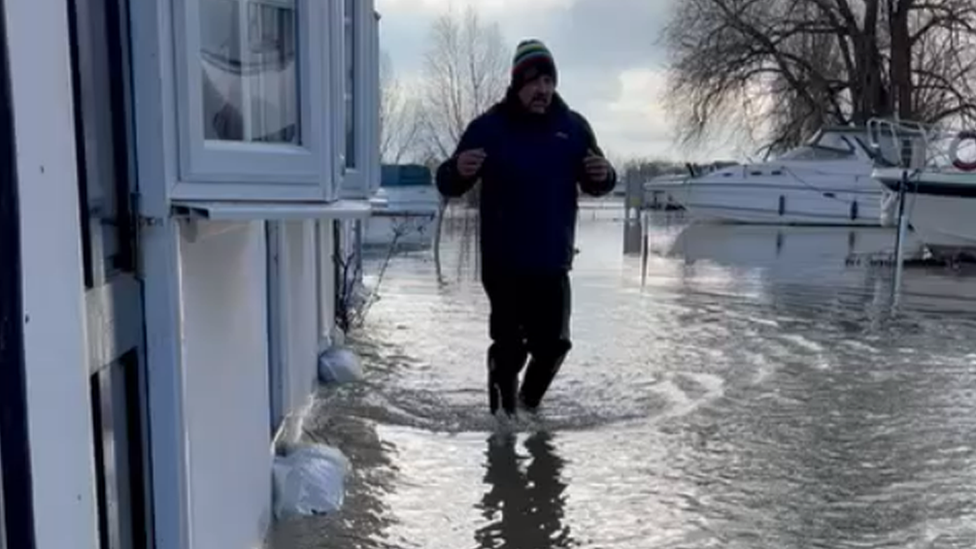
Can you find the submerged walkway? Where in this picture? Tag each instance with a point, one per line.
(748, 390)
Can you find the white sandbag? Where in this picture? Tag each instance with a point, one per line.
(309, 481)
(340, 366)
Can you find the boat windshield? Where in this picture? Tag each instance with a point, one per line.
(817, 152)
(828, 146)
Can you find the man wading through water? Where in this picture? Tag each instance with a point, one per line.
(532, 154)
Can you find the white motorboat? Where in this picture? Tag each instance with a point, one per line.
(827, 181)
(939, 185)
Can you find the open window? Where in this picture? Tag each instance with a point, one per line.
(255, 100)
(250, 93)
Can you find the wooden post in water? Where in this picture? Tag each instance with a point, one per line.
(645, 245)
(628, 198)
(634, 196)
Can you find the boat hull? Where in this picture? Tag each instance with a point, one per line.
(941, 208)
(780, 204)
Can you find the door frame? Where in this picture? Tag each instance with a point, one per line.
(16, 480)
(115, 320)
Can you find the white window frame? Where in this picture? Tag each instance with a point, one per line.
(207, 166)
(374, 124)
(169, 106)
(358, 181)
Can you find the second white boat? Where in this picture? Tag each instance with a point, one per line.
(940, 205)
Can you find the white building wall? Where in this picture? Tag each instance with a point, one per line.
(227, 405)
(207, 332)
(226, 344)
(55, 345)
(299, 294)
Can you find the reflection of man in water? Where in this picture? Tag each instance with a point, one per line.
(526, 507)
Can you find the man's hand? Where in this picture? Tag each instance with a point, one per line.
(597, 167)
(469, 162)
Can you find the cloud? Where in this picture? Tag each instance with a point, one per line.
(490, 8)
(630, 120)
(614, 34)
(634, 122)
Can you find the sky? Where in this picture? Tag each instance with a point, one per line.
(612, 66)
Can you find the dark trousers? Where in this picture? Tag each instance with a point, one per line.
(530, 316)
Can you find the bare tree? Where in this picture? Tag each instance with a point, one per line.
(399, 115)
(644, 169)
(464, 74)
(796, 65)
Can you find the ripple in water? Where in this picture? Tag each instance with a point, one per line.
(746, 389)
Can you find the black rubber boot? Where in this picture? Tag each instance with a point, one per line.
(504, 366)
(539, 374)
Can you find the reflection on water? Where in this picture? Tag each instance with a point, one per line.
(524, 502)
(734, 387)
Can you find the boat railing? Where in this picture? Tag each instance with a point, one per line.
(910, 144)
(898, 143)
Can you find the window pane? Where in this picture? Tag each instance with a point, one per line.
(117, 406)
(250, 74)
(350, 87)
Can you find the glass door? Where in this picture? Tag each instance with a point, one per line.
(99, 49)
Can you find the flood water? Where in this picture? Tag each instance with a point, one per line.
(734, 387)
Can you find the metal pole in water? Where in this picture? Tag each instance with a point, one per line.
(645, 247)
(900, 238)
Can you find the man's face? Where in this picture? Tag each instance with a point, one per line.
(536, 94)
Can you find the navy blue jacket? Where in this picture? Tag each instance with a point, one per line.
(530, 184)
